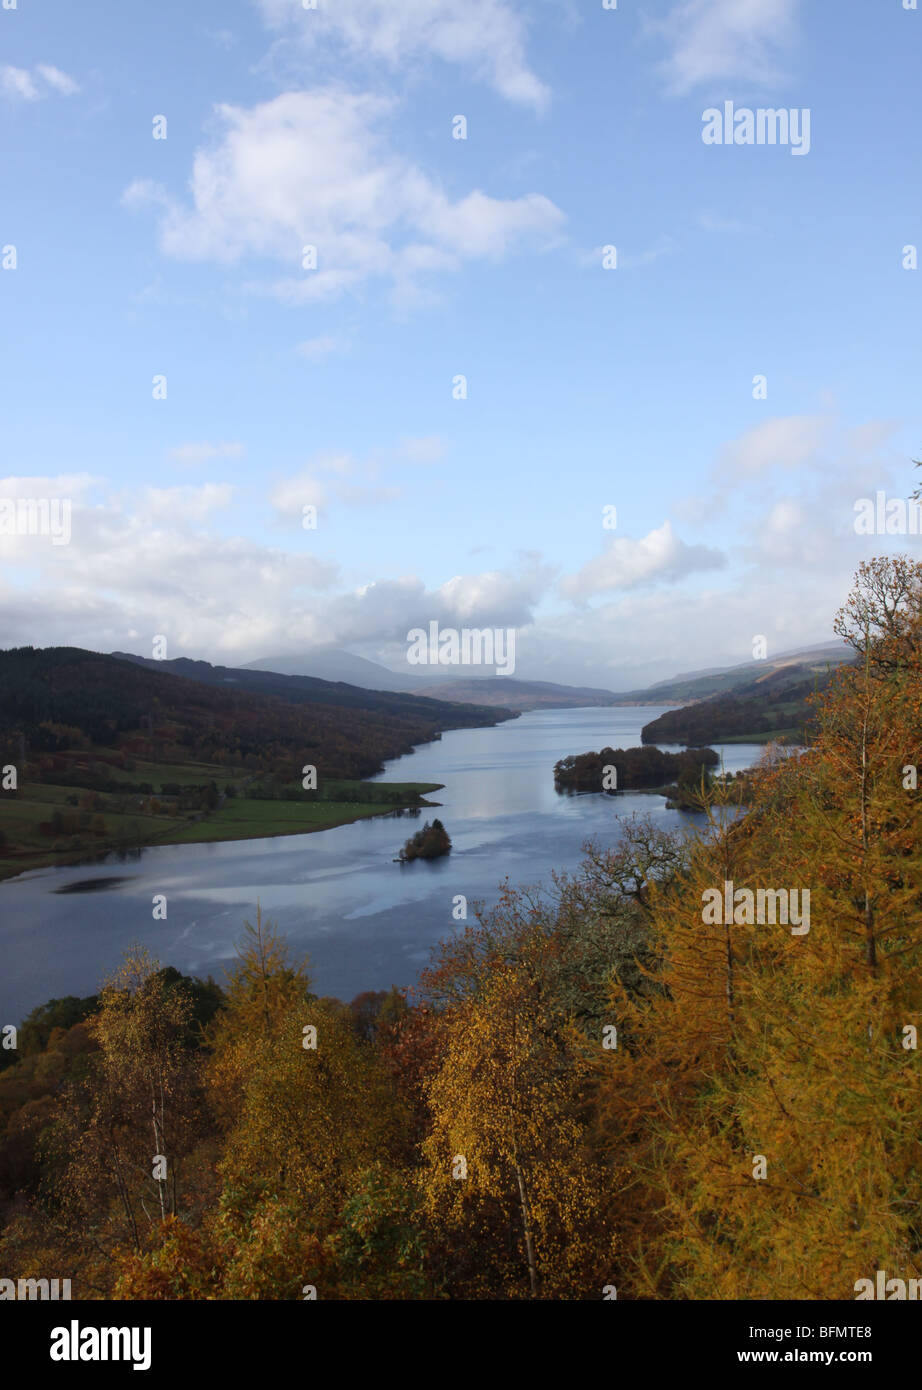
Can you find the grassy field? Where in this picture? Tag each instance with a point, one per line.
(253, 820)
(95, 823)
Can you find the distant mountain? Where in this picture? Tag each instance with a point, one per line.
(699, 685)
(333, 664)
(505, 692)
(497, 692)
(311, 690)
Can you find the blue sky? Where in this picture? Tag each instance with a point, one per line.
(587, 386)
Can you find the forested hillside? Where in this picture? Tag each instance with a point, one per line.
(112, 754)
(57, 696)
(605, 1085)
(776, 705)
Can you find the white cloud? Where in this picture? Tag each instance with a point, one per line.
(22, 85)
(785, 441)
(16, 82)
(357, 486)
(58, 80)
(203, 453)
(142, 563)
(155, 561)
(826, 464)
(486, 37)
(186, 503)
(313, 169)
(291, 495)
(385, 611)
(788, 535)
(626, 563)
(46, 485)
(726, 40)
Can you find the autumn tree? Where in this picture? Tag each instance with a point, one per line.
(766, 1100)
(516, 1203)
(127, 1133)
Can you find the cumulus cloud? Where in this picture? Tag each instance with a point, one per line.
(138, 563)
(785, 441)
(647, 635)
(726, 40)
(156, 561)
(385, 611)
(626, 563)
(146, 563)
(313, 169)
(345, 480)
(485, 37)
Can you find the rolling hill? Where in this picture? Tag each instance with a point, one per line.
(774, 705)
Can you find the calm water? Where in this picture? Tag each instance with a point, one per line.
(363, 921)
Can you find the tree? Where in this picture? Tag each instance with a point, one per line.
(116, 1158)
(766, 1100)
(506, 1181)
(882, 617)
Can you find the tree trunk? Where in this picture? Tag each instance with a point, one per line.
(526, 1227)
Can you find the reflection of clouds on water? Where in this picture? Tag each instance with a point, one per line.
(363, 921)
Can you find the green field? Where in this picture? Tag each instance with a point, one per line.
(252, 820)
(101, 822)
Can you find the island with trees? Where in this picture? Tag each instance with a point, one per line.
(629, 769)
(429, 843)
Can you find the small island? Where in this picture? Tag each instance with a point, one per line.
(628, 769)
(429, 843)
